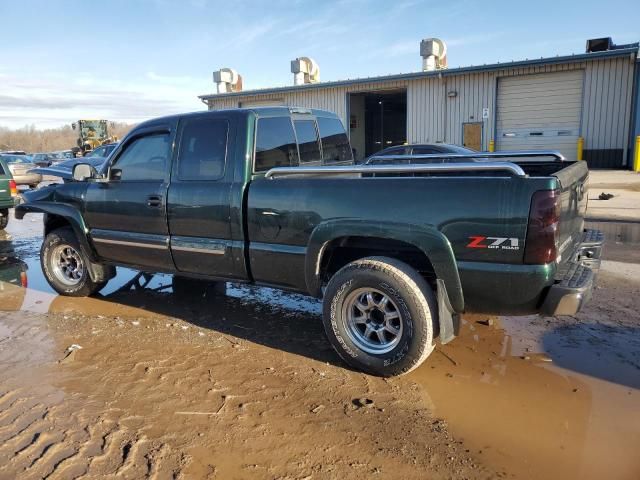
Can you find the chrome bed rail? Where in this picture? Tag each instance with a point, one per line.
(479, 165)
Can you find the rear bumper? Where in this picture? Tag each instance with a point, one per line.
(27, 178)
(574, 287)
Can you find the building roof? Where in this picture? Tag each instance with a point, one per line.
(631, 49)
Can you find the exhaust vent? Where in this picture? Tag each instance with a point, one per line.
(227, 80)
(305, 70)
(434, 54)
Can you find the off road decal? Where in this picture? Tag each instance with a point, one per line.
(500, 243)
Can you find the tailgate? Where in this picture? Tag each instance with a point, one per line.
(573, 186)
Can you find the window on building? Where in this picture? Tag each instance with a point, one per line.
(307, 140)
(144, 159)
(203, 149)
(335, 143)
(275, 144)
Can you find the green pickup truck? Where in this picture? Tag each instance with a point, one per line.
(271, 196)
(8, 193)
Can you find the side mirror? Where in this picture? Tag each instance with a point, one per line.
(83, 172)
(115, 174)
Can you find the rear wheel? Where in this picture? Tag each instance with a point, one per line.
(4, 219)
(65, 266)
(379, 315)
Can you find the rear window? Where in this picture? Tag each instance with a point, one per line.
(2, 172)
(335, 143)
(275, 144)
(307, 140)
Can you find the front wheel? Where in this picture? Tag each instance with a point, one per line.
(65, 266)
(379, 315)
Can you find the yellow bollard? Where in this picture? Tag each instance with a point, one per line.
(636, 156)
(492, 146)
(579, 148)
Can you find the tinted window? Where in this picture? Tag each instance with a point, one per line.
(203, 149)
(2, 172)
(275, 144)
(307, 140)
(145, 158)
(335, 143)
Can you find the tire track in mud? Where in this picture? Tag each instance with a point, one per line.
(45, 434)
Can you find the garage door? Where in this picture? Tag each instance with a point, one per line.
(540, 112)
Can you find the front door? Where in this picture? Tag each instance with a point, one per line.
(127, 215)
(200, 196)
(472, 135)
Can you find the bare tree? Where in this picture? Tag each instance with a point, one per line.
(32, 140)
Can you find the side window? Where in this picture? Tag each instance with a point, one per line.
(424, 151)
(307, 140)
(335, 143)
(203, 149)
(144, 159)
(275, 144)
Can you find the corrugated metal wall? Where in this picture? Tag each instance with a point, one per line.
(434, 116)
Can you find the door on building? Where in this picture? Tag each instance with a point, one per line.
(540, 112)
(378, 120)
(472, 135)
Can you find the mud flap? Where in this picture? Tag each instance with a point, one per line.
(449, 320)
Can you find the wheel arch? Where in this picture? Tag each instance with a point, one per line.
(432, 246)
(57, 215)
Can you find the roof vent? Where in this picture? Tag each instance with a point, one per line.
(599, 44)
(227, 80)
(434, 54)
(305, 70)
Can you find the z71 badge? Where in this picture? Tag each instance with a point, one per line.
(502, 243)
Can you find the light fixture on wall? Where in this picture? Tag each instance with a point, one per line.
(452, 94)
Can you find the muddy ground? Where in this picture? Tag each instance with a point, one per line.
(141, 383)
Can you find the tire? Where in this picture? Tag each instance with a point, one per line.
(65, 266)
(4, 219)
(353, 319)
(195, 288)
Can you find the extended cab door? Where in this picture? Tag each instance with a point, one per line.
(200, 196)
(127, 215)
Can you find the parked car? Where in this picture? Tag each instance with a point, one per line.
(228, 195)
(8, 192)
(20, 167)
(64, 169)
(419, 149)
(103, 151)
(13, 152)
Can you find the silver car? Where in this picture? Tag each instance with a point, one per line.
(19, 165)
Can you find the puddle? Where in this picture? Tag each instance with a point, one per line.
(539, 401)
(618, 232)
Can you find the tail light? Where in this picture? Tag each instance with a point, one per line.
(13, 188)
(542, 232)
(23, 279)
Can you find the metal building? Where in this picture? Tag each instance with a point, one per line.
(573, 103)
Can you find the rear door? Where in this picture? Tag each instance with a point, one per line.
(199, 196)
(127, 214)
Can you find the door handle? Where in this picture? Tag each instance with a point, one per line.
(154, 201)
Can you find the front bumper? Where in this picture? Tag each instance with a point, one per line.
(574, 287)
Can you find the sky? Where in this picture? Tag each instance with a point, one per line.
(130, 60)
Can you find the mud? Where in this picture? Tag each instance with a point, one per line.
(243, 384)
